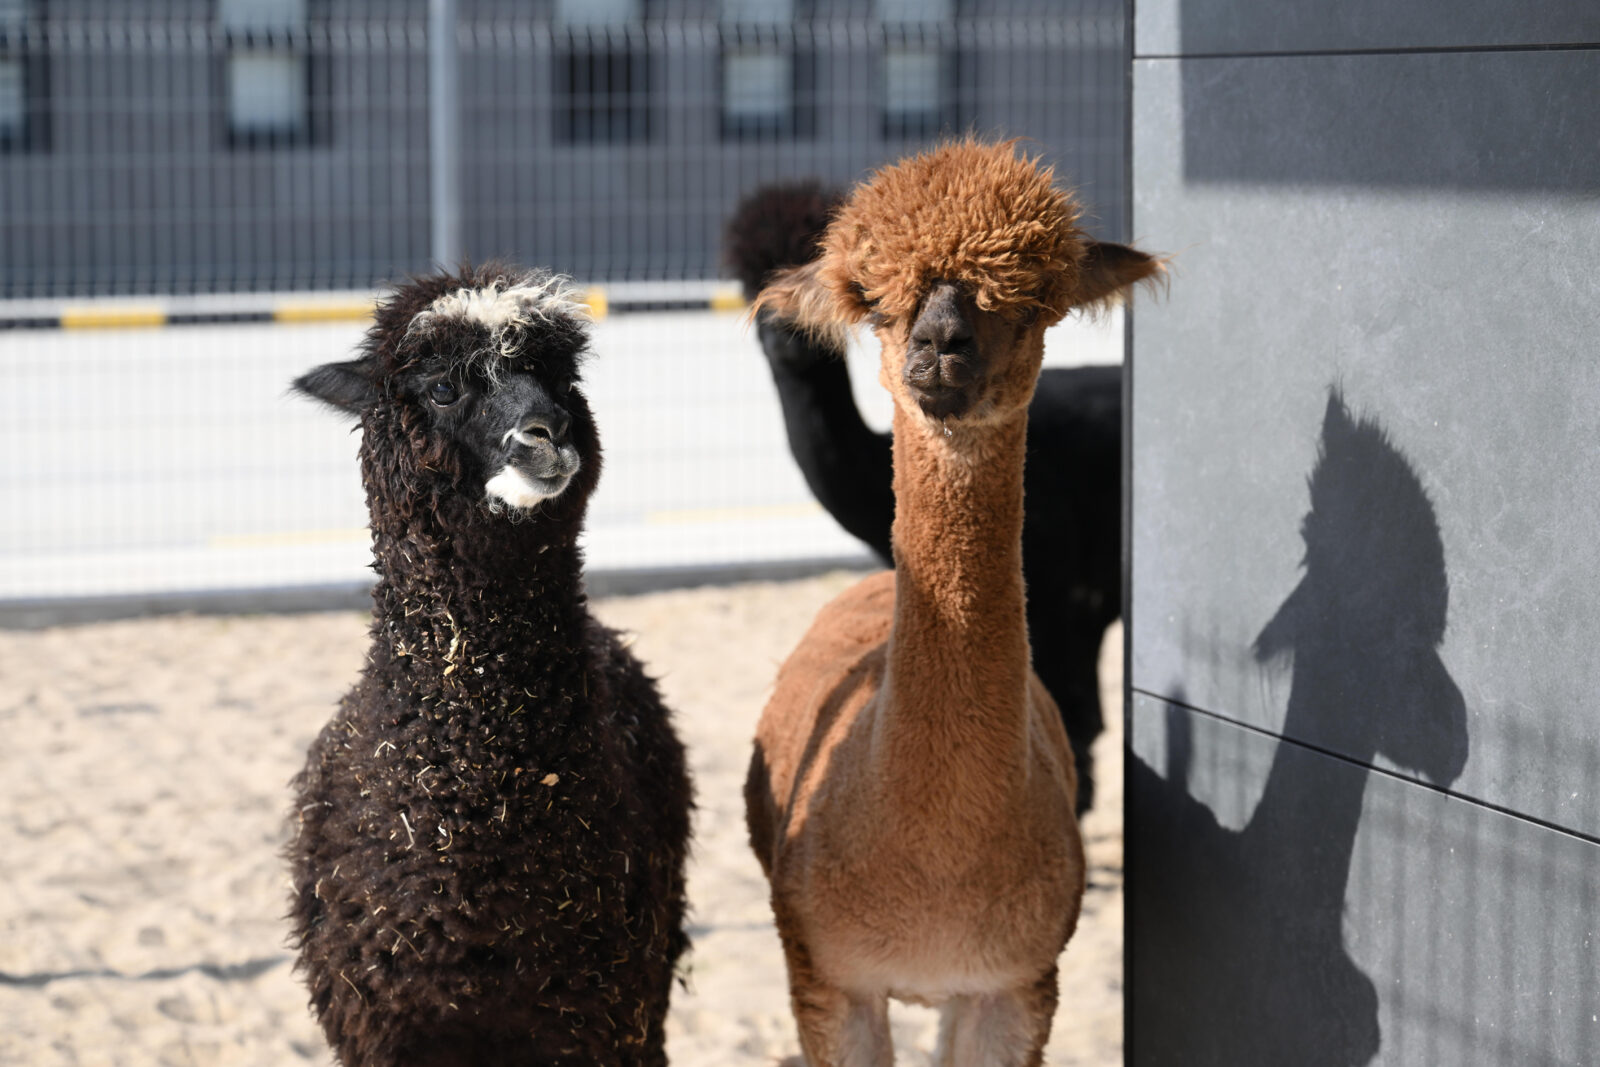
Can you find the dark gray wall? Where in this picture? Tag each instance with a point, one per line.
(1364, 794)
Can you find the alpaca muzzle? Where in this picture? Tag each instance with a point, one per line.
(942, 369)
(943, 385)
(539, 461)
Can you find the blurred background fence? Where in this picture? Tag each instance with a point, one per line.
(262, 165)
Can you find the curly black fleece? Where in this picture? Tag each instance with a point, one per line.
(488, 860)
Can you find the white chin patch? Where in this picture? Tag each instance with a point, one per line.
(511, 487)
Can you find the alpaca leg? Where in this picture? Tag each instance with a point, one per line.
(998, 1030)
(837, 1029)
(841, 1030)
(1072, 675)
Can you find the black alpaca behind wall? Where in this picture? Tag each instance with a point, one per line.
(1072, 532)
(488, 860)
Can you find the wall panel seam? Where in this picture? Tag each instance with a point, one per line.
(1421, 51)
(1477, 802)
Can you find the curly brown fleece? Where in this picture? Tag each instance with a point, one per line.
(910, 796)
(966, 211)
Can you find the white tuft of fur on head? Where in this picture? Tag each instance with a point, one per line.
(504, 304)
(505, 307)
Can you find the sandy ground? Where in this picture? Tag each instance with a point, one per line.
(144, 799)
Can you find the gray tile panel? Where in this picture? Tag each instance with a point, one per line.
(1453, 569)
(1467, 121)
(1236, 27)
(1287, 906)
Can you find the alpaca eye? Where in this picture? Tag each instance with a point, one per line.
(442, 393)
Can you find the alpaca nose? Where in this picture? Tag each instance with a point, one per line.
(546, 427)
(942, 364)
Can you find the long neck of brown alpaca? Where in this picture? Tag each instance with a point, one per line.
(955, 702)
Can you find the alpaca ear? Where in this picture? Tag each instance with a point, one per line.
(345, 386)
(799, 297)
(1110, 268)
(1278, 636)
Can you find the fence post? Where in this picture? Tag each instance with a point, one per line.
(444, 133)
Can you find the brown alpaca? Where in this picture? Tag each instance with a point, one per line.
(911, 793)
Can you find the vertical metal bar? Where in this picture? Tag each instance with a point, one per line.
(444, 132)
(1124, 232)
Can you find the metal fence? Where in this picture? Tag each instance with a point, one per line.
(205, 160)
(183, 146)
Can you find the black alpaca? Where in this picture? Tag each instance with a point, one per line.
(1071, 536)
(488, 861)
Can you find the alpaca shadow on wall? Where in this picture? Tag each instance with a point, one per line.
(1238, 954)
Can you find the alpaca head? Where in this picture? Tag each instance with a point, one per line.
(1366, 621)
(774, 228)
(960, 258)
(468, 386)
(777, 226)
